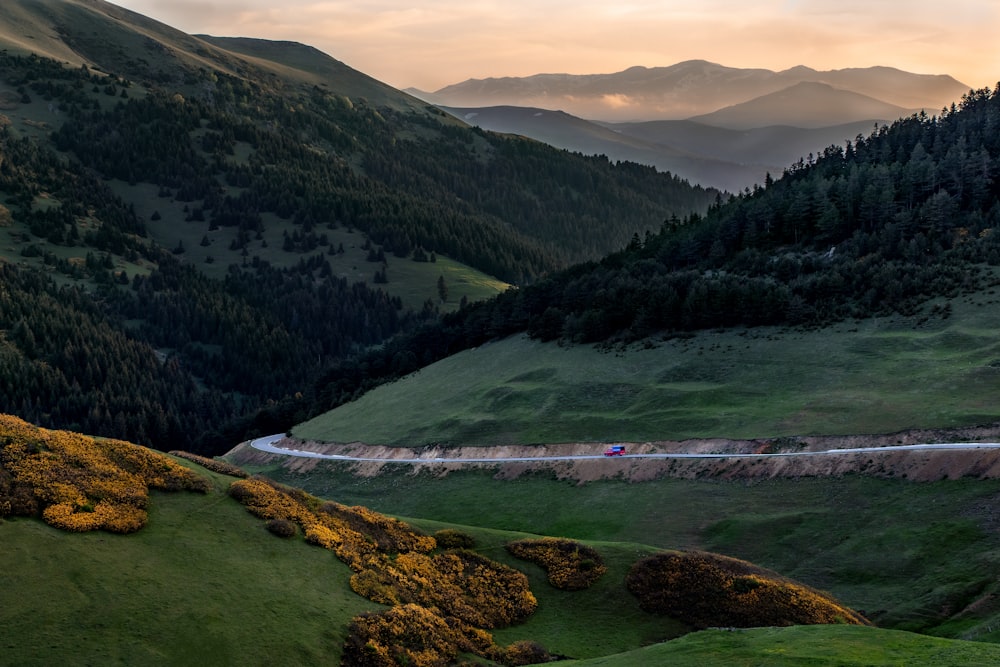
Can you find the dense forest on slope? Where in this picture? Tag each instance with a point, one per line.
(512, 207)
(110, 331)
(881, 225)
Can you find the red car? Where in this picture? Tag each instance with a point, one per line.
(615, 450)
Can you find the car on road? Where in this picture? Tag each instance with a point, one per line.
(615, 450)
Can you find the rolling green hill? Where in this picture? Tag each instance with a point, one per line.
(932, 369)
(195, 578)
(814, 646)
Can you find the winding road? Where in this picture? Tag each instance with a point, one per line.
(266, 444)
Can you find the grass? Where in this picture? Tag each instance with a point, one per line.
(816, 646)
(907, 555)
(203, 583)
(766, 382)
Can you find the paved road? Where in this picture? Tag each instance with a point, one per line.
(266, 444)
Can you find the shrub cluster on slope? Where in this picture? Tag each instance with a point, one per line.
(709, 590)
(79, 483)
(570, 566)
(441, 603)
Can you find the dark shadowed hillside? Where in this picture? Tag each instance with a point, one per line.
(212, 222)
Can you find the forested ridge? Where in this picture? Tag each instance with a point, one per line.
(880, 225)
(110, 331)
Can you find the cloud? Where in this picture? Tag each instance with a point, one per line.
(617, 101)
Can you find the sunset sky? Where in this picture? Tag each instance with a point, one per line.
(438, 42)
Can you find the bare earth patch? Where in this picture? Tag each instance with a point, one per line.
(929, 465)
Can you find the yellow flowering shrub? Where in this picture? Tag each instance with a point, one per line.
(570, 566)
(404, 635)
(440, 603)
(81, 483)
(410, 634)
(388, 534)
(708, 590)
(267, 500)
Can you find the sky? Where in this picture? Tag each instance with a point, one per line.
(439, 42)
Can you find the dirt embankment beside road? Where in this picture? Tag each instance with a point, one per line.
(927, 465)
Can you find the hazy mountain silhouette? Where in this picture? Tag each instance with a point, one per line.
(688, 89)
(807, 104)
(645, 146)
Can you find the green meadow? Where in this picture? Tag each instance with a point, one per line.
(939, 368)
(804, 646)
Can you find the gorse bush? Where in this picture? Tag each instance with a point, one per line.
(80, 483)
(462, 584)
(412, 635)
(449, 538)
(570, 566)
(441, 602)
(709, 590)
(282, 528)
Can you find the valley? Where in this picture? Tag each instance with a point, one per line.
(206, 240)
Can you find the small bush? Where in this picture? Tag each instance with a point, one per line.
(282, 527)
(526, 652)
(449, 538)
(571, 566)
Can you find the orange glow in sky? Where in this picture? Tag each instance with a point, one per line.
(439, 42)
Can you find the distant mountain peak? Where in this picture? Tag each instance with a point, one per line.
(690, 88)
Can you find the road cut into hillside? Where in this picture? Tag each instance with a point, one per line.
(919, 455)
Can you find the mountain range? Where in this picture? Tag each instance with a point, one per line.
(718, 126)
(693, 88)
(713, 156)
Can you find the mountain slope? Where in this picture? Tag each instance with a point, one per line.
(883, 226)
(687, 89)
(807, 105)
(574, 134)
(229, 217)
(775, 146)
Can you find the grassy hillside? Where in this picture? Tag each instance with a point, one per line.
(908, 555)
(204, 582)
(937, 368)
(815, 646)
(197, 579)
